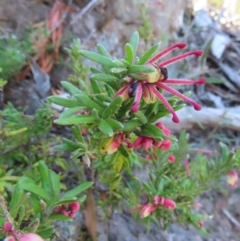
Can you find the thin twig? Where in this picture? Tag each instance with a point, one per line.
(83, 11)
(231, 218)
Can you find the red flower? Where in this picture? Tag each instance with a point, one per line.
(145, 209)
(69, 210)
(232, 178)
(148, 88)
(171, 159)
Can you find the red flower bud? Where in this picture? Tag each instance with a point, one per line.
(30, 237)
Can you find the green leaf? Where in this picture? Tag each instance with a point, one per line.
(71, 88)
(129, 53)
(118, 70)
(98, 58)
(95, 86)
(77, 190)
(65, 147)
(45, 179)
(140, 69)
(105, 128)
(71, 111)
(65, 201)
(77, 132)
(131, 125)
(103, 51)
(134, 40)
(63, 101)
(58, 217)
(80, 119)
(140, 115)
(88, 102)
(46, 233)
(116, 125)
(109, 90)
(149, 53)
(104, 97)
(29, 185)
(35, 203)
(152, 131)
(214, 80)
(113, 107)
(2, 83)
(95, 70)
(105, 78)
(16, 200)
(55, 184)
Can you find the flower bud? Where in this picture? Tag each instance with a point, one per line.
(232, 178)
(147, 209)
(169, 204)
(30, 237)
(7, 227)
(171, 159)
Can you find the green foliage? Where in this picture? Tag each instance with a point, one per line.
(112, 129)
(34, 201)
(13, 52)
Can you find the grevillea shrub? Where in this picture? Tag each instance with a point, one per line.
(115, 119)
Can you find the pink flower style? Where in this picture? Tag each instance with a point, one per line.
(147, 89)
(146, 209)
(148, 142)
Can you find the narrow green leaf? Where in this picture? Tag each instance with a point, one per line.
(131, 125)
(46, 233)
(113, 107)
(105, 128)
(95, 86)
(88, 102)
(35, 203)
(149, 53)
(109, 90)
(63, 101)
(104, 77)
(58, 217)
(129, 54)
(71, 88)
(152, 131)
(140, 69)
(103, 51)
(16, 200)
(95, 70)
(80, 119)
(45, 179)
(98, 58)
(77, 190)
(134, 40)
(55, 184)
(104, 97)
(74, 110)
(65, 201)
(118, 70)
(29, 185)
(214, 80)
(77, 132)
(140, 115)
(116, 125)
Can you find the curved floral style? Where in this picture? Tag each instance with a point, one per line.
(150, 88)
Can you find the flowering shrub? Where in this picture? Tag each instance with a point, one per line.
(115, 118)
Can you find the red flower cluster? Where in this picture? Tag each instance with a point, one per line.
(158, 79)
(68, 210)
(146, 209)
(148, 142)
